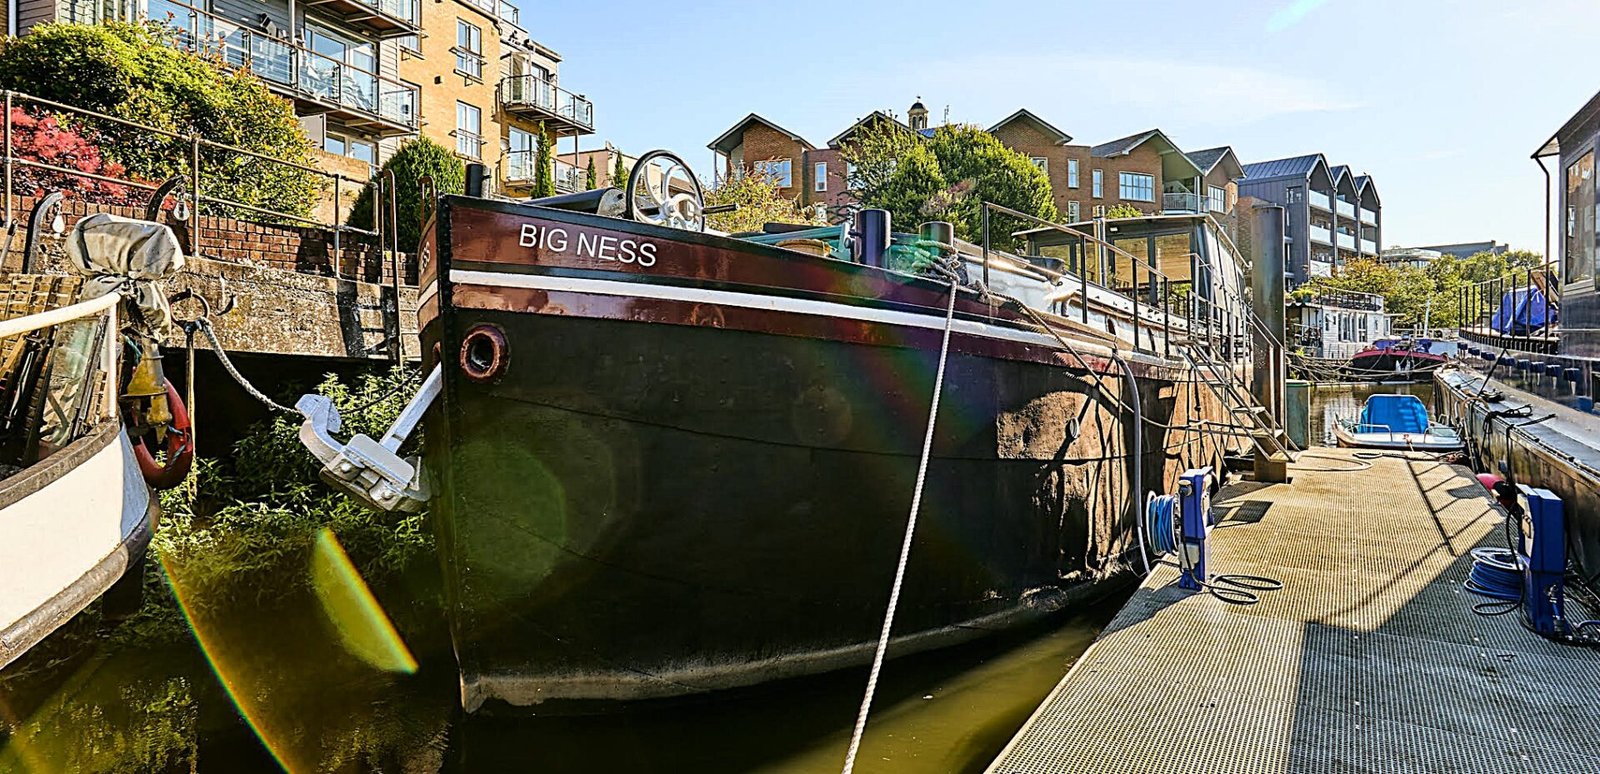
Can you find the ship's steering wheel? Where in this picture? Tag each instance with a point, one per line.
(663, 191)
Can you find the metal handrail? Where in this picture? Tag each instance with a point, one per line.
(191, 157)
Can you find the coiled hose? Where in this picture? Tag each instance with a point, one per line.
(1162, 514)
(1495, 574)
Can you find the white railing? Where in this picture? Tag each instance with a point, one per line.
(1347, 209)
(1369, 247)
(1347, 241)
(1321, 234)
(1369, 217)
(1320, 199)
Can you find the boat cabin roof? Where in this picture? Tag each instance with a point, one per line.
(1398, 413)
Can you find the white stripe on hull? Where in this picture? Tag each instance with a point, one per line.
(50, 538)
(756, 301)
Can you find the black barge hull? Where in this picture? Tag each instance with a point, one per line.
(676, 486)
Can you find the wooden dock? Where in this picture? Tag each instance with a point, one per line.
(1370, 659)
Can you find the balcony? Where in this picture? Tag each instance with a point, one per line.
(499, 9)
(1182, 202)
(1320, 200)
(1321, 234)
(569, 178)
(1369, 217)
(1347, 241)
(356, 97)
(1346, 209)
(1369, 247)
(520, 165)
(384, 18)
(531, 96)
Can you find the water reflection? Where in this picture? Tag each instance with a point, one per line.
(97, 702)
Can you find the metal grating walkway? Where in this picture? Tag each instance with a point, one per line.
(1369, 660)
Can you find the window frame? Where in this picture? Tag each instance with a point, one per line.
(462, 135)
(1074, 211)
(1097, 182)
(1216, 198)
(469, 53)
(766, 166)
(1072, 173)
(820, 170)
(1124, 186)
(1042, 162)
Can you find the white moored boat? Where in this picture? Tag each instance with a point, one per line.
(76, 507)
(1390, 421)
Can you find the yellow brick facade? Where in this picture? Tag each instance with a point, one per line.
(433, 70)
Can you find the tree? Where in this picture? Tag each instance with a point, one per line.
(544, 163)
(759, 203)
(42, 138)
(969, 165)
(139, 73)
(619, 172)
(589, 182)
(418, 158)
(1124, 210)
(1433, 293)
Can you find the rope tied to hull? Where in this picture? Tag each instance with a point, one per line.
(905, 546)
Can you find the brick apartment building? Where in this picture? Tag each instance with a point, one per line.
(366, 75)
(1146, 170)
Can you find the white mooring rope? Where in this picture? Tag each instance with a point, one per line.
(905, 546)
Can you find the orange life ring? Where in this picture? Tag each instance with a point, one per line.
(180, 448)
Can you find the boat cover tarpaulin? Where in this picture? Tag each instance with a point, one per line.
(123, 255)
(1398, 413)
(1522, 310)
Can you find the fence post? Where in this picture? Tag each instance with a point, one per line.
(9, 221)
(394, 258)
(985, 244)
(194, 217)
(338, 226)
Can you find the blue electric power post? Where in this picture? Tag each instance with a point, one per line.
(1543, 556)
(1194, 505)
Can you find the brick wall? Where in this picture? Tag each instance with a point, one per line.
(300, 249)
(763, 143)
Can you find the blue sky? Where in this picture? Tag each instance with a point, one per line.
(1441, 101)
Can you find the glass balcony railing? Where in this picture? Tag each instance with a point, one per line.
(1347, 241)
(1369, 247)
(1321, 234)
(286, 66)
(520, 166)
(1347, 209)
(1182, 202)
(1369, 217)
(404, 10)
(1320, 199)
(568, 177)
(530, 92)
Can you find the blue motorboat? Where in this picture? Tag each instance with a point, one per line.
(1396, 421)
